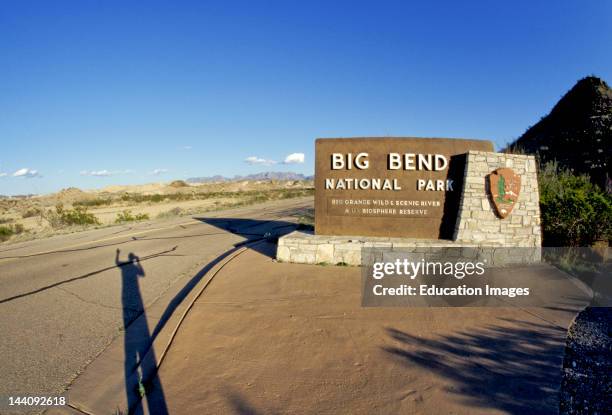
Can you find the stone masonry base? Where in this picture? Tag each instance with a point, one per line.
(306, 248)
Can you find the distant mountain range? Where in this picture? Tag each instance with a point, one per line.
(577, 133)
(269, 175)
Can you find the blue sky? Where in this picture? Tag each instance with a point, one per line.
(100, 93)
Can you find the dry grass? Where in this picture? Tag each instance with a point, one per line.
(72, 209)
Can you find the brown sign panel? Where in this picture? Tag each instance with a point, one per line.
(504, 186)
(404, 187)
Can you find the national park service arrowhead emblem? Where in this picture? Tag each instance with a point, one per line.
(504, 185)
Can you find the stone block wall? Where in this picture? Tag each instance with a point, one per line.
(306, 248)
(477, 221)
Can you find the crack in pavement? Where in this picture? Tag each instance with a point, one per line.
(93, 302)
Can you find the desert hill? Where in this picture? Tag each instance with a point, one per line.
(577, 133)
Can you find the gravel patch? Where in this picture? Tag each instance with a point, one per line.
(587, 366)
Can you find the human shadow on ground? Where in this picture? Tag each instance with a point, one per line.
(513, 367)
(137, 339)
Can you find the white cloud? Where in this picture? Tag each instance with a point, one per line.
(27, 173)
(253, 160)
(294, 158)
(2, 174)
(157, 172)
(100, 173)
(104, 173)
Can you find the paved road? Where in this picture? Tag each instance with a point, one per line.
(62, 299)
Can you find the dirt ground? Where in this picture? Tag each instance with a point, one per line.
(269, 337)
(26, 218)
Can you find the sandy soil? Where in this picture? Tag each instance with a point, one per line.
(267, 337)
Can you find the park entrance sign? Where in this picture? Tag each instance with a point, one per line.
(417, 193)
(403, 187)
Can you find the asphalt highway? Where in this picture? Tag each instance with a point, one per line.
(64, 299)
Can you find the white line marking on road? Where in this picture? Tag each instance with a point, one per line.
(5, 260)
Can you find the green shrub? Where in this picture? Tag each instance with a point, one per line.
(68, 217)
(127, 216)
(7, 231)
(574, 211)
(79, 216)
